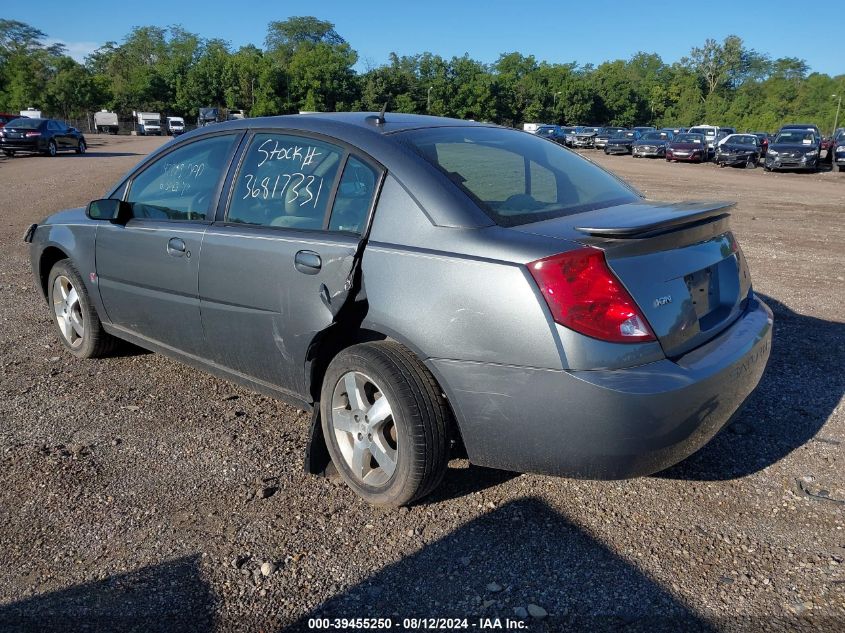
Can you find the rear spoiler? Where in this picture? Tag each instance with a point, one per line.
(652, 219)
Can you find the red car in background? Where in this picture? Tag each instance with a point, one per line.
(764, 141)
(5, 118)
(689, 146)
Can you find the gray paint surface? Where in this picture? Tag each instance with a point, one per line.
(437, 275)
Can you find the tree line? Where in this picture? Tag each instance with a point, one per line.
(305, 64)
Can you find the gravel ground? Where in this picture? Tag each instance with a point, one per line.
(140, 494)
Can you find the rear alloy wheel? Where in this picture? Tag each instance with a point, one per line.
(81, 147)
(80, 330)
(385, 422)
(51, 148)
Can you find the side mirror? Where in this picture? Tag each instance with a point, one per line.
(109, 209)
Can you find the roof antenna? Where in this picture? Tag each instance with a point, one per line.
(380, 119)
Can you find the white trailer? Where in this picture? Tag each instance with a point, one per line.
(530, 127)
(31, 113)
(148, 123)
(105, 121)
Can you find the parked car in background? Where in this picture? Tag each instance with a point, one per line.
(622, 142)
(40, 136)
(727, 130)
(673, 130)
(688, 147)
(838, 161)
(5, 118)
(652, 144)
(739, 150)
(585, 137)
(569, 135)
(642, 129)
(105, 121)
(566, 325)
(794, 148)
(604, 134)
(763, 139)
(827, 149)
(175, 125)
(711, 136)
(552, 132)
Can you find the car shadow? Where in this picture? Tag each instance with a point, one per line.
(172, 596)
(461, 482)
(521, 553)
(802, 385)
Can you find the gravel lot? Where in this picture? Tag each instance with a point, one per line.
(139, 494)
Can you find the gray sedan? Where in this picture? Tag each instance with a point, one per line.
(427, 288)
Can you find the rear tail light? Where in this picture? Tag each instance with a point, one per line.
(32, 134)
(583, 294)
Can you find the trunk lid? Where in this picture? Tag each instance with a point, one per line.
(679, 261)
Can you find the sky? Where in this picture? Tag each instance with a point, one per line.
(556, 32)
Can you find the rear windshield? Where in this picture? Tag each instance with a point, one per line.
(517, 178)
(703, 130)
(24, 123)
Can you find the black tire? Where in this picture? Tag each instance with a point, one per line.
(81, 147)
(95, 341)
(420, 416)
(839, 168)
(52, 150)
(9, 152)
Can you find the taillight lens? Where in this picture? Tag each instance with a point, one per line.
(32, 134)
(584, 295)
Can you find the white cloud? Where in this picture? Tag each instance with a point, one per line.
(77, 50)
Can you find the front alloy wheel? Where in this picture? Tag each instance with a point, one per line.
(68, 311)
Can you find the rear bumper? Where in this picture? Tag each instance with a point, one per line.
(20, 145)
(607, 424)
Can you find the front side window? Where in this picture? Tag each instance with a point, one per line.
(517, 178)
(285, 181)
(182, 184)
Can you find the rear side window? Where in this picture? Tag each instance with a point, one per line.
(354, 197)
(517, 178)
(181, 185)
(285, 181)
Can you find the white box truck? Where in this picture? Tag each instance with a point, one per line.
(175, 125)
(31, 113)
(105, 121)
(148, 123)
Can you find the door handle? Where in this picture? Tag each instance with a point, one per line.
(307, 262)
(176, 247)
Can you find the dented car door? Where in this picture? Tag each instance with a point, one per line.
(278, 265)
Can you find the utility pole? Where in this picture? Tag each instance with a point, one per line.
(836, 119)
(428, 101)
(554, 99)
